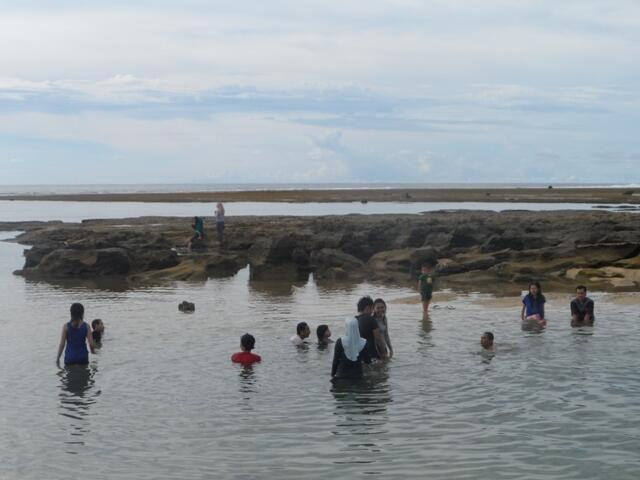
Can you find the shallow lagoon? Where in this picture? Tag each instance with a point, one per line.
(162, 400)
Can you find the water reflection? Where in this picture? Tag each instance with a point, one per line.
(248, 381)
(277, 287)
(76, 398)
(361, 406)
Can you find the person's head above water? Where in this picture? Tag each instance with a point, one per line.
(581, 292)
(323, 333)
(379, 307)
(486, 340)
(97, 325)
(247, 342)
(302, 330)
(365, 305)
(535, 289)
(77, 312)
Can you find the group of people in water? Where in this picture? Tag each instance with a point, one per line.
(366, 338)
(198, 227)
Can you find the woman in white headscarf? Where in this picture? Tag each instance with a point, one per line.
(350, 352)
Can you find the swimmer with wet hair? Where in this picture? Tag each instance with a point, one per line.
(245, 356)
(323, 333)
(302, 332)
(486, 340)
(98, 329)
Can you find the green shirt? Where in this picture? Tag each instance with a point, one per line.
(426, 284)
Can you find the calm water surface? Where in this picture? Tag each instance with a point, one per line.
(12, 211)
(161, 399)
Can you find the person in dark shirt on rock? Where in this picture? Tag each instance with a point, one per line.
(349, 353)
(369, 329)
(247, 342)
(582, 309)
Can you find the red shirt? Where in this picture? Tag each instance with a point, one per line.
(245, 357)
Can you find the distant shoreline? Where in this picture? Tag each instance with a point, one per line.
(507, 195)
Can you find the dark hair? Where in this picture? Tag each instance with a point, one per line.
(540, 297)
(379, 300)
(77, 311)
(429, 263)
(247, 341)
(95, 322)
(489, 336)
(364, 302)
(320, 331)
(301, 327)
(581, 287)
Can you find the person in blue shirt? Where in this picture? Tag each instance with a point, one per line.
(76, 334)
(533, 305)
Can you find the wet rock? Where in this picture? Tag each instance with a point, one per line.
(101, 262)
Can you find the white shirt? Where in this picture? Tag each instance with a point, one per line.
(296, 340)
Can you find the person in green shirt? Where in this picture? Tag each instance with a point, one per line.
(425, 286)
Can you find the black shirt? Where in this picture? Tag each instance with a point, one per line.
(581, 309)
(367, 324)
(342, 367)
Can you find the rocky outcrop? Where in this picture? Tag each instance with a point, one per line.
(470, 247)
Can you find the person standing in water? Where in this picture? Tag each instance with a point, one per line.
(369, 329)
(380, 314)
(533, 305)
(76, 334)
(245, 355)
(349, 353)
(219, 214)
(582, 309)
(425, 286)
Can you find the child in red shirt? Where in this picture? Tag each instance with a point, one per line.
(247, 342)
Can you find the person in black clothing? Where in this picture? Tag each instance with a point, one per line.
(582, 309)
(349, 353)
(369, 329)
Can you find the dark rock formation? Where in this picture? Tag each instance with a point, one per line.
(471, 247)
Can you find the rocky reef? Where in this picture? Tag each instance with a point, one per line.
(473, 248)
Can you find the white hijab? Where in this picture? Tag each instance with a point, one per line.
(352, 343)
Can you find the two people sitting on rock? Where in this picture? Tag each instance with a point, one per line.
(198, 231)
(245, 356)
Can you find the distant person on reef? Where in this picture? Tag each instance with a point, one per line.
(369, 329)
(98, 329)
(425, 286)
(302, 332)
(349, 353)
(324, 334)
(380, 314)
(219, 214)
(486, 341)
(76, 333)
(244, 356)
(582, 309)
(198, 231)
(533, 305)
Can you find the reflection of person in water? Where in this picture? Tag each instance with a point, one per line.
(76, 383)
(74, 338)
(349, 353)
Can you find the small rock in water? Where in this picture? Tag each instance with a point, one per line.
(187, 307)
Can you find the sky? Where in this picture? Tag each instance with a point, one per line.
(290, 91)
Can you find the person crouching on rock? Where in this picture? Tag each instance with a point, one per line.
(75, 335)
(244, 356)
(533, 305)
(198, 231)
